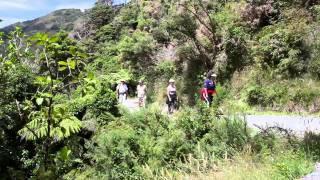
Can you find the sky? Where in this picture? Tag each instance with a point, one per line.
(12, 11)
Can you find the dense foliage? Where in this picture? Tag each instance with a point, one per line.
(59, 116)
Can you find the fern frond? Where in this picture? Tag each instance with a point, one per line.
(62, 126)
(70, 125)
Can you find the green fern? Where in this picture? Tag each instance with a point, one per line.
(62, 126)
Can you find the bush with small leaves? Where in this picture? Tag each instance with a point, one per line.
(117, 152)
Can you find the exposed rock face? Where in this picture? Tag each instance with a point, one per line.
(167, 53)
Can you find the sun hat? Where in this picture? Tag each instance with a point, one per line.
(171, 81)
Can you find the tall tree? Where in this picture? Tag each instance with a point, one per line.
(16, 84)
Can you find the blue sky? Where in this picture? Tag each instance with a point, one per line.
(12, 11)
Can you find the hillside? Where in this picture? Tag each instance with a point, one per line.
(61, 19)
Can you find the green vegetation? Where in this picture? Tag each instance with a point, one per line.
(59, 116)
(147, 144)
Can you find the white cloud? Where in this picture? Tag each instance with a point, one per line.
(8, 20)
(15, 5)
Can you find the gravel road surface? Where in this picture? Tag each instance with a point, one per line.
(298, 124)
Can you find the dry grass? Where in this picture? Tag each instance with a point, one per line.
(241, 167)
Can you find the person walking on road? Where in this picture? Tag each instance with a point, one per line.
(142, 91)
(122, 91)
(209, 88)
(172, 97)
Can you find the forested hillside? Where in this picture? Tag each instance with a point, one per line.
(66, 19)
(59, 115)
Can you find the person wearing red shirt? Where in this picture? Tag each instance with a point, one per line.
(209, 88)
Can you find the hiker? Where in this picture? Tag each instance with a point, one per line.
(209, 88)
(122, 91)
(141, 91)
(171, 96)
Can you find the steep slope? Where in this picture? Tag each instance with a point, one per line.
(51, 23)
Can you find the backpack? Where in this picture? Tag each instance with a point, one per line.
(209, 84)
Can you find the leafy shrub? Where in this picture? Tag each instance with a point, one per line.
(16, 83)
(106, 33)
(292, 66)
(259, 13)
(314, 68)
(145, 21)
(166, 69)
(172, 147)
(228, 136)
(222, 93)
(100, 15)
(160, 35)
(236, 51)
(139, 43)
(263, 141)
(311, 144)
(135, 51)
(161, 144)
(213, 135)
(291, 96)
(194, 125)
(304, 96)
(127, 18)
(281, 45)
(149, 138)
(292, 165)
(235, 55)
(82, 174)
(267, 95)
(117, 152)
(106, 101)
(277, 94)
(149, 121)
(95, 95)
(256, 96)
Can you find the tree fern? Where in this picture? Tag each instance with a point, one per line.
(62, 125)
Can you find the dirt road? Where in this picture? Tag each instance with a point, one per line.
(298, 124)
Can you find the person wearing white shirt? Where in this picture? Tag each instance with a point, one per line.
(172, 97)
(141, 91)
(122, 91)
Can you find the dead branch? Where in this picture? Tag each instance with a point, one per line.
(287, 132)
